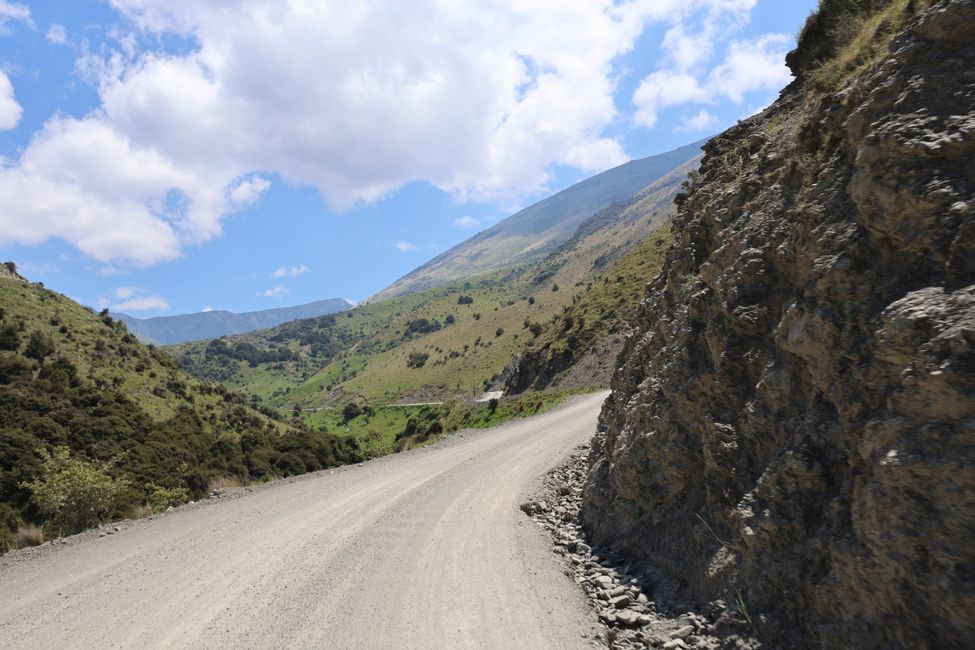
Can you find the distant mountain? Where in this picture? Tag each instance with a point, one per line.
(166, 330)
(540, 228)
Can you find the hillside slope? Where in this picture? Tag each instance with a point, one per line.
(790, 436)
(71, 378)
(537, 230)
(451, 341)
(581, 345)
(166, 330)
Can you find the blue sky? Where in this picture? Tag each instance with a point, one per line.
(163, 158)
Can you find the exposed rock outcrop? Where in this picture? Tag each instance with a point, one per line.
(8, 270)
(793, 425)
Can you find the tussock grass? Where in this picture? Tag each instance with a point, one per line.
(860, 34)
(140, 511)
(225, 483)
(28, 535)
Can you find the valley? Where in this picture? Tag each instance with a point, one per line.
(717, 398)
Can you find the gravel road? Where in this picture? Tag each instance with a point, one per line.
(426, 549)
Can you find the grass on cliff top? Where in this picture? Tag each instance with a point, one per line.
(860, 33)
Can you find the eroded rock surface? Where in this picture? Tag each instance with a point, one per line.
(793, 426)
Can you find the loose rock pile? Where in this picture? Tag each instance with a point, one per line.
(616, 592)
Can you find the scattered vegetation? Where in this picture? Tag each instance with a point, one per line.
(94, 425)
(601, 310)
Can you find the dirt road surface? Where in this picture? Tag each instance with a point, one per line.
(426, 549)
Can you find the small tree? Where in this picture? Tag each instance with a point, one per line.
(417, 359)
(351, 411)
(39, 345)
(74, 494)
(9, 338)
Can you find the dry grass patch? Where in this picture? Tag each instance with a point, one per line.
(225, 483)
(140, 511)
(28, 535)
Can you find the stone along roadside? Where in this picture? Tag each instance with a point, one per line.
(617, 593)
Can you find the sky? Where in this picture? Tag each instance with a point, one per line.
(170, 157)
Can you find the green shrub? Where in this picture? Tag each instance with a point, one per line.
(417, 359)
(39, 346)
(73, 494)
(159, 498)
(9, 338)
(351, 411)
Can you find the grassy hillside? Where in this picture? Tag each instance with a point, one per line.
(70, 378)
(450, 342)
(580, 346)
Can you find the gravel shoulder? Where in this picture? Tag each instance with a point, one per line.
(423, 549)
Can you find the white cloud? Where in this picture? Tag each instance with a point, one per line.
(146, 303)
(277, 291)
(10, 12)
(133, 299)
(206, 309)
(466, 221)
(753, 65)
(10, 110)
(404, 246)
(663, 89)
(290, 271)
(249, 190)
(757, 64)
(353, 99)
(57, 35)
(702, 121)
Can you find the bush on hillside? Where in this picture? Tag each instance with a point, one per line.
(74, 494)
(159, 498)
(351, 411)
(417, 359)
(39, 346)
(9, 338)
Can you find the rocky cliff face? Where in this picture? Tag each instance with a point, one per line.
(792, 429)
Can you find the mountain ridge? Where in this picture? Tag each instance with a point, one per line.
(181, 328)
(537, 230)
